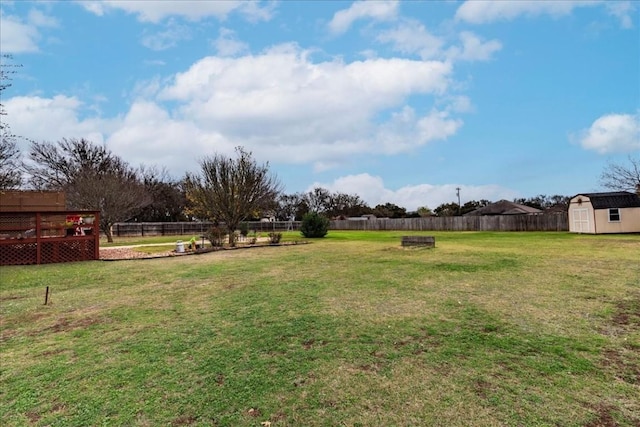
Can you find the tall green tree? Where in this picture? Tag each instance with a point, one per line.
(168, 201)
(229, 190)
(424, 211)
(389, 210)
(346, 205)
(447, 209)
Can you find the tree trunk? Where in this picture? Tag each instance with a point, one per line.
(108, 233)
(231, 229)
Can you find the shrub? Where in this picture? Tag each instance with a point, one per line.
(314, 225)
(274, 238)
(244, 229)
(216, 236)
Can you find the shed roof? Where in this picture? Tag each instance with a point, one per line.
(615, 199)
(504, 207)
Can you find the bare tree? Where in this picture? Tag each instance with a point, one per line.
(230, 190)
(10, 162)
(620, 177)
(318, 200)
(91, 177)
(291, 206)
(10, 167)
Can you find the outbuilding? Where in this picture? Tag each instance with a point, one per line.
(602, 213)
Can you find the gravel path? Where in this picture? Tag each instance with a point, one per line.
(130, 253)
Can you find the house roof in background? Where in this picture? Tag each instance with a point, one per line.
(504, 207)
(615, 199)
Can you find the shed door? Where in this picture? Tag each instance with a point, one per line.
(581, 220)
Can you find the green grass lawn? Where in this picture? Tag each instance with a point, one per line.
(487, 329)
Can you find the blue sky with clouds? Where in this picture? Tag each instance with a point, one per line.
(396, 101)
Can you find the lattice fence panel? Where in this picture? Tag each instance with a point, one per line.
(69, 250)
(18, 254)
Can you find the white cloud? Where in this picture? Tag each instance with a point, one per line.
(437, 125)
(282, 100)
(460, 104)
(50, 119)
(278, 104)
(146, 134)
(473, 48)
(39, 19)
(375, 10)
(22, 35)
(157, 10)
(17, 36)
(168, 38)
(486, 11)
(411, 37)
(623, 10)
(373, 190)
(227, 44)
(613, 133)
(176, 144)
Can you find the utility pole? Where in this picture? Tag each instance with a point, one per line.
(458, 194)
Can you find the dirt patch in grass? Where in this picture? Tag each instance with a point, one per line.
(603, 417)
(254, 412)
(33, 416)
(65, 324)
(277, 417)
(628, 313)
(11, 297)
(482, 388)
(184, 420)
(624, 361)
(311, 343)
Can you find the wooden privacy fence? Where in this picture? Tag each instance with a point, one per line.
(137, 229)
(549, 222)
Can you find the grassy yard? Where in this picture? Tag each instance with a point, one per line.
(487, 329)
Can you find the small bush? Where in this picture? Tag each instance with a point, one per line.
(216, 236)
(274, 238)
(314, 225)
(244, 229)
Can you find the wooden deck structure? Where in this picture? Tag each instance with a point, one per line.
(49, 237)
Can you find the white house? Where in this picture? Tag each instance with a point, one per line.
(600, 213)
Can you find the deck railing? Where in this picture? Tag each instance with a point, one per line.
(49, 237)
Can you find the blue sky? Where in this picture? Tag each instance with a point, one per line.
(398, 102)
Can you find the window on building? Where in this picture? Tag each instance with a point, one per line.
(614, 215)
